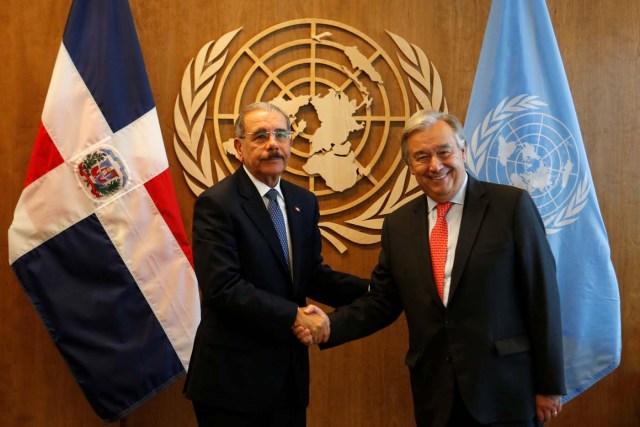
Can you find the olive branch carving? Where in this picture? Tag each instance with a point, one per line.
(190, 142)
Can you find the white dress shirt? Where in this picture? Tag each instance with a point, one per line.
(454, 218)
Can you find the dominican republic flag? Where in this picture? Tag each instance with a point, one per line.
(522, 130)
(97, 240)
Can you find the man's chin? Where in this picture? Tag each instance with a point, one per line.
(439, 195)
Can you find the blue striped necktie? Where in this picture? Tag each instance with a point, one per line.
(278, 221)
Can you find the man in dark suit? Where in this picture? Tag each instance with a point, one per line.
(485, 348)
(247, 368)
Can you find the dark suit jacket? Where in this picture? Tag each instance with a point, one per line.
(499, 337)
(244, 347)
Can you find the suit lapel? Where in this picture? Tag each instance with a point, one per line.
(295, 217)
(475, 206)
(419, 236)
(254, 207)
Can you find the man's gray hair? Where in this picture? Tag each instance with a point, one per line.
(262, 106)
(423, 120)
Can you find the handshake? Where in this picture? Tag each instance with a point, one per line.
(312, 325)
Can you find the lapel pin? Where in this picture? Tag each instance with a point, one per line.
(297, 209)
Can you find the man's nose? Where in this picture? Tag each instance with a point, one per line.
(435, 163)
(272, 145)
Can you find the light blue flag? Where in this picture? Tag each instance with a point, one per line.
(522, 130)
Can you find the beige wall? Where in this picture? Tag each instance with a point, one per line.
(363, 383)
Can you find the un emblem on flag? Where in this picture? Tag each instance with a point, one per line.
(347, 101)
(521, 146)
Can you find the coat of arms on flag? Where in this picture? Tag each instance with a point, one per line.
(103, 172)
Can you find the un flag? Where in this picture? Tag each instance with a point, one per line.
(522, 130)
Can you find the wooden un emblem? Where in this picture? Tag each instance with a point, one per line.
(347, 102)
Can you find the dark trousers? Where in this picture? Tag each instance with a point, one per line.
(461, 417)
(287, 412)
(281, 416)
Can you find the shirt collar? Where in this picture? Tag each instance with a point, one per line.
(261, 186)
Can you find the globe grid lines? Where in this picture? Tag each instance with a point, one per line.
(553, 155)
(263, 62)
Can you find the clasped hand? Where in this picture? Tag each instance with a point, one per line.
(312, 325)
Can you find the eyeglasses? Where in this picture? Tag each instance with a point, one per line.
(262, 136)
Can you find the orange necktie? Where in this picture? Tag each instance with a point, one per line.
(438, 243)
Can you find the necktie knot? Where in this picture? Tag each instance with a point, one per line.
(272, 195)
(443, 209)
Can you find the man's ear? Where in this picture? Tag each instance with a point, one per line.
(237, 144)
(411, 169)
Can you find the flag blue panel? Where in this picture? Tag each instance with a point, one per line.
(523, 130)
(87, 305)
(99, 34)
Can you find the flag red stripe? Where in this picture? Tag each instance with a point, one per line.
(163, 194)
(45, 156)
